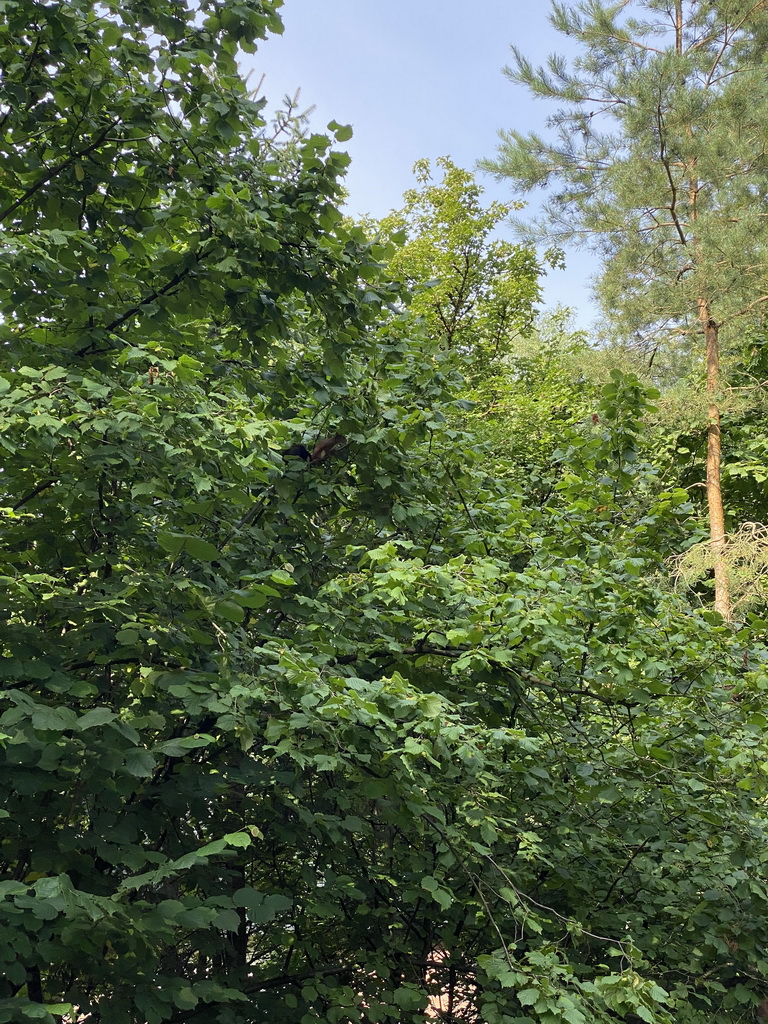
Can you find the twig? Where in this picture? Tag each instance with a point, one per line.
(33, 494)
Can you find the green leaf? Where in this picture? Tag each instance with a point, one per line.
(443, 898)
(175, 543)
(261, 908)
(140, 763)
(282, 577)
(179, 747)
(201, 549)
(432, 706)
(55, 719)
(230, 610)
(185, 998)
(227, 920)
(94, 717)
(407, 998)
(11, 888)
(527, 996)
(572, 1015)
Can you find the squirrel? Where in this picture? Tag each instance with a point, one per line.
(322, 451)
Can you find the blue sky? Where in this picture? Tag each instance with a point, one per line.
(417, 78)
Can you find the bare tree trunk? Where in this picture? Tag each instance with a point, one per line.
(679, 26)
(714, 493)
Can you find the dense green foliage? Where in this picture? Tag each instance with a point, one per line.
(475, 293)
(284, 742)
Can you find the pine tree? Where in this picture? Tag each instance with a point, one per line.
(660, 163)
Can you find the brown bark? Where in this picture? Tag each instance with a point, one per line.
(710, 328)
(679, 26)
(714, 492)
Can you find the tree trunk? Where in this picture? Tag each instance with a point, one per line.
(714, 493)
(679, 26)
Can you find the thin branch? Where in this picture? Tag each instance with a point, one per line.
(33, 494)
(524, 897)
(672, 186)
(27, 69)
(632, 42)
(177, 278)
(58, 169)
(466, 508)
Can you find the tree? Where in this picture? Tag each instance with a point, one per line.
(546, 383)
(181, 301)
(660, 155)
(476, 291)
(477, 295)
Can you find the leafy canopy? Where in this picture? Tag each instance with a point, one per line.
(311, 743)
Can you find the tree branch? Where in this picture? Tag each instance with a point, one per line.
(177, 278)
(34, 493)
(672, 186)
(58, 169)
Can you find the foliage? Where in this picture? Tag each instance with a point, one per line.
(476, 292)
(310, 743)
(658, 154)
(745, 477)
(181, 300)
(747, 562)
(476, 295)
(545, 384)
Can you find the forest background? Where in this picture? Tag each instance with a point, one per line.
(465, 719)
